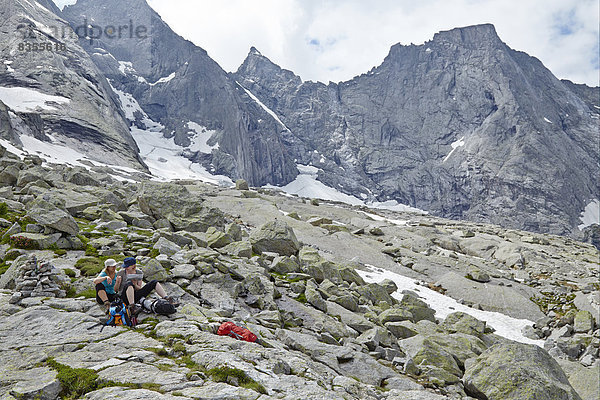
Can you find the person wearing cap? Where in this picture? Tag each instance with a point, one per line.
(131, 286)
(105, 284)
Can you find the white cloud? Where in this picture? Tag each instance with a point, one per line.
(337, 40)
(355, 36)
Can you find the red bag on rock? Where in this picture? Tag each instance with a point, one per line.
(236, 332)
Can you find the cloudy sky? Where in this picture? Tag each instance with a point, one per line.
(335, 40)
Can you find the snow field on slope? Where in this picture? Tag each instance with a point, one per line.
(590, 215)
(27, 100)
(199, 141)
(504, 325)
(56, 153)
(163, 157)
(307, 185)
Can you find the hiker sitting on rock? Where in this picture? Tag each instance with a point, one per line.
(130, 284)
(105, 284)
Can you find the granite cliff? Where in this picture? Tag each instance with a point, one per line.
(462, 126)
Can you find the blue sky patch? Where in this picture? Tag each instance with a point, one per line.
(566, 24)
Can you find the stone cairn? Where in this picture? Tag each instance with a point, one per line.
(36, 280)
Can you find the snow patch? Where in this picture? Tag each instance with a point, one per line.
(307, 185)
(54, 152)
(590, 215)
(8, 67)
(128, 104)
(126, 67)
(42, 27)
(163, 157)
(428, 50)
(459, 143)
(504, 325)
(65, 3)
(200, 138)
(547, 120)
(260, 103)
(393, 205)
(163, 80)
(12, 149)
(26, 100)
(383, 219)
(166, 162)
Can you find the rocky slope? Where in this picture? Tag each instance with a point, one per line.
(461, 126)
(306, 276)
(180, 87)
(57, 94)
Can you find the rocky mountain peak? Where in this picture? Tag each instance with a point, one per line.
(434, 125)
(476, 35)
(256, 64)
(183, 94)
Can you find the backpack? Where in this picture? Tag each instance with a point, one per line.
(119, 315)
(236, 332)
(159, 306)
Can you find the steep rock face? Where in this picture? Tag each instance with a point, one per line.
(462, 126)
(57, 94)
(179, 86)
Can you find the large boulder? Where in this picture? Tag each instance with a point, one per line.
(324, 270)
(165, 246)
(238, 249)
(276, 237)
(419, 309)
(284, 265)
(395, 315)
(583, 322)
(174, 203)
(464, 323)
(9, 176)
(217, 239)
(37, 383)
(516, 371)
(81, 177)
(49, 215)
(375, 293)
(161, 200)
(154, 270)
(31, 174)
(434, 361)
(37, 240)
(314, 297)
(353, 319)
(8, 278)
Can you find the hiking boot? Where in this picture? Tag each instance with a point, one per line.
(172, 300)
(134, 309)
(106, 306)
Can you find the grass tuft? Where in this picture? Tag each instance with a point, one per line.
(89, 266)
(75, 382)
(3, 210)
(229, 375)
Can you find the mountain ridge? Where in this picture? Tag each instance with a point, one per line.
(175, 81)
(73, 102)
(396, 87)
(461, 126)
